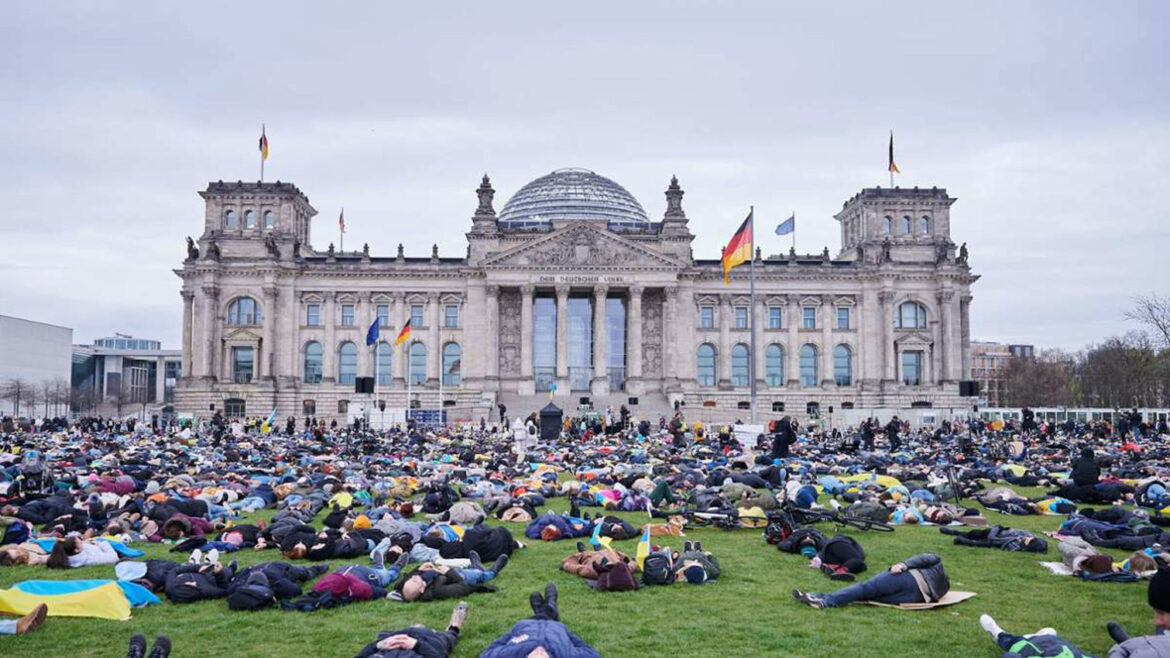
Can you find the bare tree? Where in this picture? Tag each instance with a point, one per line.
(1152, 311)
(47, 396)
(60, 396)
(32, 396)
(15, 390)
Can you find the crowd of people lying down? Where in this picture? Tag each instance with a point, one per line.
(419, 514)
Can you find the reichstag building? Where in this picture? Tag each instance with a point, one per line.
(571, 291)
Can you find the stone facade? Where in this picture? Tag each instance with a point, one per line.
(887, 318)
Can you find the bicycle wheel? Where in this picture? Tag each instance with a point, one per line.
(864, 525)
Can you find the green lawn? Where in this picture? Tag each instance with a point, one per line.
(748, 612)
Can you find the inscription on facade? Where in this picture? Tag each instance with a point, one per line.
(577, 279)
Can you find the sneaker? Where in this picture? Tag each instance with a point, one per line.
(649, 508)
(378, 558)
(162, 647)
(580, 547)
(500, 563)
(213, 556)
(458, 615)
(196, 557)
(402, 561)
(686, 547)
(475, 561)
(33, 620)
(382, 547)
(808, 599)
(698, 546)
(990, 626)
(137, 646)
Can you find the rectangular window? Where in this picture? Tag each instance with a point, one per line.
(912, 368)
(242, 360)
(451, 316)
(383, 316)
(309, 408)
(842, 318)
(707, 317)
(347, 313)
(741, 317)
(775, 317)
(343, 407)
(416, 316)
(313, 315)
(810, 317)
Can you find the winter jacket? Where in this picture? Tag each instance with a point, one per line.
(1146, 646)
(528, 634)
(430, 644)
(928, 570)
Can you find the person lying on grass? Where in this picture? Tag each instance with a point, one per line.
(542, 635)
(418, 641)
(920, 579)
(431, 581)
(1003, 538)
(696, 566)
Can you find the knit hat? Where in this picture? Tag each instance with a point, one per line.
(361, 522)
(808, 551)
(128, 570)
(1159, 592)
(695, 574)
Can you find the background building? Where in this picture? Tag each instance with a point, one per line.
(122, 376)
(34, 365)
(572, 291)
(989, 366)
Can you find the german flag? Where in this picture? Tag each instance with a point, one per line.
(403, 335)
(263, 144)
(893, 166)
(739, 248)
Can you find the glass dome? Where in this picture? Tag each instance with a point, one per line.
(571, 194)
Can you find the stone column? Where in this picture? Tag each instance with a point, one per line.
(210, 341)
(188, 332)
(435, 353)
(886, 318)
(329, 349)
(362, 320)
(965, 332)
(944, 375)
(761, 343)
(398, 315)
(600, 342)
(724, 341)
(670, 337)
(634, 341)
(827, 375)
(160, 379)
(292, 354)
(527, 385)
(268, 350)
(792, 351)
(563, 386)
(492, 340)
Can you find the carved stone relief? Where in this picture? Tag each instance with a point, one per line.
(652, 334)
(509, 333)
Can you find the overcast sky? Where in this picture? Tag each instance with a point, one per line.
(1050, 121)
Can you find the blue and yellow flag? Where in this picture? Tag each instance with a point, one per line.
(643, 546)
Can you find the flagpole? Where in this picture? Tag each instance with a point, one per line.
(376, 376)
(752, 313)
(439, 347)
(409, 377)
(341, 231)
(793, 216)
(262, 134)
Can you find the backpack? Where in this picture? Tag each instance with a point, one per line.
(617, 577)
(779, 529)
(656, 569)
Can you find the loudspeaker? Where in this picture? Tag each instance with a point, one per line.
(633, 402)
(969, 389)
(363, 385)
(830, 408)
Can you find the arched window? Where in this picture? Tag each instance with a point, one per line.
(229, 220)
(418, 363)
(385, 368)
(269, 219)
(888, 225)
(906, 224)
(774, 365)
(740, 369)
(843, 365)
(910, 315)
(249, 219)
(452, 364)
(346, 363)
(243, 311)
(706, 365)
(924, 225)
(314, 363)
(808, 365)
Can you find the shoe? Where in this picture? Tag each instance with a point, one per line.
(1117, 632)
(990, 626)
(580, 547)
(458, 615)
(649, 508)
(550, 601)
(475, 561)
(162, 647)
(213, 556)
(382, 547)
(808, 599)
(698, 546)
(319, 569)
(378, 558)
(537, 602)
(137, 646)
(402, 561)
(686, 547)
(500, 563)
(33, 620)
(196, 557)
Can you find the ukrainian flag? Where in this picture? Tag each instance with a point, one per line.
(643, 546)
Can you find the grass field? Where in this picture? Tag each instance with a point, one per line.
(748, 612)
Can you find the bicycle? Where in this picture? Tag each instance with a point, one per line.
(802, 516)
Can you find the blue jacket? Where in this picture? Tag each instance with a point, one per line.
(528, 634)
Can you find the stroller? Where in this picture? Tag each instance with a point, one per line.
(34, 472)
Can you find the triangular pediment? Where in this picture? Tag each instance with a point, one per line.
(578, 246)
(913, 338)
(241, 335)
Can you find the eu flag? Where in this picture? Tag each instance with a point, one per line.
(787, 226)
(372, 334)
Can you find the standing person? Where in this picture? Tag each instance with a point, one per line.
(892, 430)
(867, 434)
(783, 438)
(503, 417)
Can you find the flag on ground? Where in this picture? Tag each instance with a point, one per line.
(893, 166)
(787, 226)
(263, 144)
(643, 546)
(739, 248)
(403, 335)
(374, 331)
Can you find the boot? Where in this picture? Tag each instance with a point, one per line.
(162, 647)
(137, 647)
(475, 561)
(33, 620)
(500, 563)
(550, 601)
